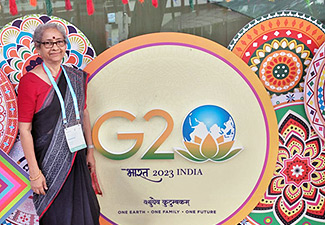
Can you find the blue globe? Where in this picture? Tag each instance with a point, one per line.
(208, 119)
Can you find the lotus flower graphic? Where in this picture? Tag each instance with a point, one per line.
(208, 133)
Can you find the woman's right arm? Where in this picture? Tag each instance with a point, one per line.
(38, 185)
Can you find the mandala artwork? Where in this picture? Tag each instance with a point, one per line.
(14, 186)
(296, 194)
(8, 114)
(279, 47)
(297, 188)
(18, 53)
(314, 92)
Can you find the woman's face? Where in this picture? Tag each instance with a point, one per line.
(55, 53)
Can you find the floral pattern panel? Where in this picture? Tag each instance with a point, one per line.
(296, 194)
(297, 188)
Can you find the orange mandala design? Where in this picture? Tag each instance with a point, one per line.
(280, 71)
(269, 42)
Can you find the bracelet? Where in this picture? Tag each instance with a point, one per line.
(38, 176)
(90, 146)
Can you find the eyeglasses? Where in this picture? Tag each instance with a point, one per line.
(50, 44)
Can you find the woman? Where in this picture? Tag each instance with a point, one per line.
(59, 177)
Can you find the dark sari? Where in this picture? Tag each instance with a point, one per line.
(70, 198)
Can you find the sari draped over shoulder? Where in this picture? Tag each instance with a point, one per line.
(67, 176)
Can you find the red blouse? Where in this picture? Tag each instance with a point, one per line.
(32, 92)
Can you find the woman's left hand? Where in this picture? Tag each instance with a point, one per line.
(92, 168)
(91, 161)
(90, 153)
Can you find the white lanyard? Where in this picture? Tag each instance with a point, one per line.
(73, 134)
(56, 88)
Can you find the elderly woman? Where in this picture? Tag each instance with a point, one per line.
(55, 134)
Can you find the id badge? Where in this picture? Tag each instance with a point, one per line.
(75, 138)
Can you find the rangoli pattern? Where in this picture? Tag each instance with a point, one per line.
(297, 189)
(279, 47)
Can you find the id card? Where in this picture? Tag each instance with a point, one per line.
(75, 138)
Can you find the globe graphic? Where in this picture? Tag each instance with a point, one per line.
(208, 119)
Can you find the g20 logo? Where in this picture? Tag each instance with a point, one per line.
(208, 135)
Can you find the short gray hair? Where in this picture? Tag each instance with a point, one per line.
(40, 29)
